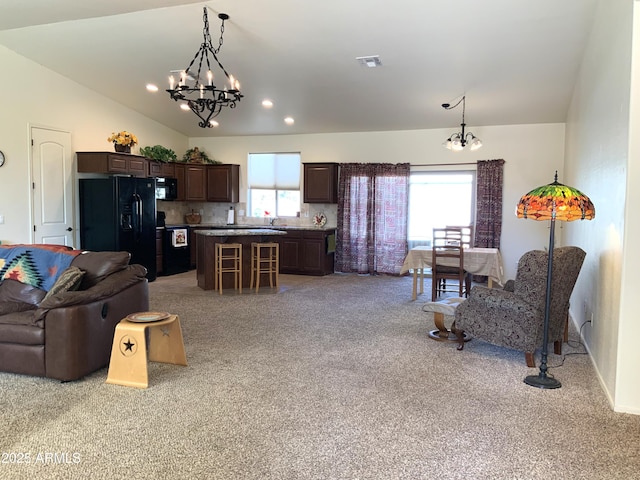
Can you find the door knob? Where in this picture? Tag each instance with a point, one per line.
(69, 229)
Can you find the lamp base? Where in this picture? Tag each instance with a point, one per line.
(542, 382)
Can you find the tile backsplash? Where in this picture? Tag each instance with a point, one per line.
(217, 213)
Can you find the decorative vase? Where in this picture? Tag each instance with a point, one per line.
(122, 148)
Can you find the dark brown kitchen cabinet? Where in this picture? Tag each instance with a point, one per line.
(314, 257)
(223, 183)
(116, 163)
(161, 169)
(320, 183)
(196, 183)
(307, 252)
(179, 175)
(290, 247)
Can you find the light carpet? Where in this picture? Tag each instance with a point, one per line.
(328, 378)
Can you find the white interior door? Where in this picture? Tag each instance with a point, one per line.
(52, 186)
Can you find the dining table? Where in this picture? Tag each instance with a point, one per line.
(477, 260)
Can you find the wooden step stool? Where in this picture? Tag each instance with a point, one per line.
(128, 365)
(265, 258)
(228, 260)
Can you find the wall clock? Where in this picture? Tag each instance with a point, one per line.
(1, 158)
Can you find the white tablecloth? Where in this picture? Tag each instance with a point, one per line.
(479, 261)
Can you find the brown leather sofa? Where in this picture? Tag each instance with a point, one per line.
(69, 335)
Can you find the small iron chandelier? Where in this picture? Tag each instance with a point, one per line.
(459, 140)
(206, 100)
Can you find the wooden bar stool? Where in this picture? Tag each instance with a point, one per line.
(129, 353)
(265, 258)
(228, 260)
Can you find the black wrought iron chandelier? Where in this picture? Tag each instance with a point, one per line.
(203, 97)
(459, 140)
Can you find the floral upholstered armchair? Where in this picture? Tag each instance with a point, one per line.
(513, 317)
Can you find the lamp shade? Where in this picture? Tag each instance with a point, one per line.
(555, 201)
(475, 143)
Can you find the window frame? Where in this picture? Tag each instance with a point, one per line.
(427, 241)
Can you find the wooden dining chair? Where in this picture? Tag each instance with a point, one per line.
(448, 248)
(466, 234)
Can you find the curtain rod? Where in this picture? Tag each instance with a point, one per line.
(447, 164)
(440, 164)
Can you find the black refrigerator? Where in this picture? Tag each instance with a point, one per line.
(119, 213)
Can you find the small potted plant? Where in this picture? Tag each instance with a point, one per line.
(195, 155)
(123, 141)
(159, 153)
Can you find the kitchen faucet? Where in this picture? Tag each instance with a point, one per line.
(272, 221)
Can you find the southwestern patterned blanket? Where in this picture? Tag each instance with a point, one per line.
(37, 265)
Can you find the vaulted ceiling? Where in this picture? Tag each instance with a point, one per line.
(516, 61)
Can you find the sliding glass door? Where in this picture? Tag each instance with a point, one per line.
(437, 199)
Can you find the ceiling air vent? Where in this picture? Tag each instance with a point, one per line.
(177, 73)
(371, 61)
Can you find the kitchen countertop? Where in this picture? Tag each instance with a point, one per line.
(239, 232)
(214, 226)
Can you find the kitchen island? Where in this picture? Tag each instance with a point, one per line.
(205, 252)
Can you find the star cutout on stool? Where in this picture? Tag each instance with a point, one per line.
(165, 331)
(127, 346)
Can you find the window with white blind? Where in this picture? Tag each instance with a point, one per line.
(274, 184)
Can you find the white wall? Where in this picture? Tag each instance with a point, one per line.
(532, 154)
(627, 395)
(600, 154)
(33, 95)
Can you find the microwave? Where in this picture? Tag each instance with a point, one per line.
(166, 188)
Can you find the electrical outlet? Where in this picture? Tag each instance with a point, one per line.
(591, 320)
(1, 219)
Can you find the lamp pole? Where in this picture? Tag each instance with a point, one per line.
(542, 380)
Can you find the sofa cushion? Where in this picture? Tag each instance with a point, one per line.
(12, 307)
(99, 265)
(68, 281)
(15, 291)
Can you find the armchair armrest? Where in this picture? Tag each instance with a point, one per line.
(500, 315)
(496, 297)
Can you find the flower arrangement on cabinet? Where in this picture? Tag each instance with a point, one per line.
(125, 138)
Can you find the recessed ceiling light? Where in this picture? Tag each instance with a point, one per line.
(289, 120)
(266, 103)
(184, 107)
(213, 123)
(151, 87)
